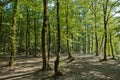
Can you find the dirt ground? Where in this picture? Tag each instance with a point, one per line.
(84, 67)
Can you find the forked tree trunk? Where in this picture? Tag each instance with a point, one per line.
(56, 66)
(13, 35)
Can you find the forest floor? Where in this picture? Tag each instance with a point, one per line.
(84, 67)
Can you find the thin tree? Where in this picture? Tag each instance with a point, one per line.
(94, 9)
(56, 66)
(13, 35)
(111, 45)
(35, 36)
(45, 60)
(28, 33)
(67, 30)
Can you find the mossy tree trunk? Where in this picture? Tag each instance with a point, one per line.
(13, 35)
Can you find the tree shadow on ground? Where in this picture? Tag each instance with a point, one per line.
(93, 69)
(82, 68)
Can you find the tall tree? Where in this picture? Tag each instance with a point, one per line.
(35, 36)
(28, 33)
(13, 35)
(67, 29)
(56, 66)
(94, 10)
(45, 60)
(107, 9)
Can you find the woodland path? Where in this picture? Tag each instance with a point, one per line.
(84, 67)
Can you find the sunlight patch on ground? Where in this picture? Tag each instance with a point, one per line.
(95, 74)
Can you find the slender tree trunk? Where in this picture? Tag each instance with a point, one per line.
(84, 41)
(92, 43)
(56, 66)
(0, 30)
(49, 39)
(101, 44)
(105, 41)
(44, 38)
(28, 34)
(96, 37)
(105, 28)
(13, 35)
(21, 33)
(35, 37)
(112, 50)
(88, 44)
(67, 30)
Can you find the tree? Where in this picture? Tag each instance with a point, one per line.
(94, 10)
(27, 33)
(44, 38)
(56, 66)
(13, 35)
(67, 30)
(106, 17)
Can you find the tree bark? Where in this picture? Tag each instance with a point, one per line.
(49, 39)
(105, 28)
(67, 30)
(0, 29)
(13, 35)
(56, 66)
(112, 50)
(44, 38)
(96, 37)
(28, 34)
(35, 36)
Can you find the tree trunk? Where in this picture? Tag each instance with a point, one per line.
(56, 66)
(88, 50)
(92, 43)
(67, 30)
(101, 44)
(13, 35)
(0, 30)
(96, 37)
(49, 39)
(113, 55)
(105, 42)
(105, 28)
(21, 33)
(35, 37)
(28, 34)
(44, 38)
